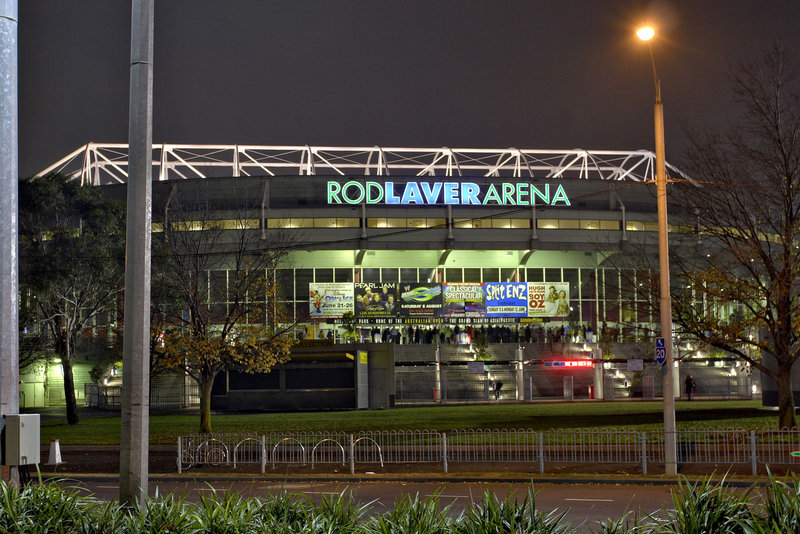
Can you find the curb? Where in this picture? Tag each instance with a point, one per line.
(420, 479)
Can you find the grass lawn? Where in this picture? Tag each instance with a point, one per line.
(165, 429)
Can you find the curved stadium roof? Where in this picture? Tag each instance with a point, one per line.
(107, 163)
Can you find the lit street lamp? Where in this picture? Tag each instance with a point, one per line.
(665, 305)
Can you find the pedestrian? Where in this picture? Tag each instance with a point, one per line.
(497, 386)
(690, 386)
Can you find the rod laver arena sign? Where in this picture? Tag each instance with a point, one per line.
(454, 193)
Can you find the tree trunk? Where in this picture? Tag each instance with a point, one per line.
(786, 416)
(205, 404)
(69, 389)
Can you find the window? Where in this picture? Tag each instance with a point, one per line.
(491, 275)
(302, 277)
(408, 275)
(343, 275)
(453, 275)
(472, 275)
(535, 275)
(323, 275)
(325, 222)
(389, 275)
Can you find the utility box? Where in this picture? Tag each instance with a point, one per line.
(21, 443)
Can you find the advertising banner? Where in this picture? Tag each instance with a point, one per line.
(506, 299)
(463, 300)
(330, 299)
(548, 299)
(420, 300)
(375, 299)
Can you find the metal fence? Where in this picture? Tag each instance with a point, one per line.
(163, 399)
(718, 447)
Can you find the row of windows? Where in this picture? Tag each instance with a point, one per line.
(500, 223)
(414, 222)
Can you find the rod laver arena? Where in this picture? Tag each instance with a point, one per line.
(451, 269)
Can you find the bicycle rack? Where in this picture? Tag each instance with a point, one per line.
(303, 449)
(380, 454)
(344, 456)
(236, 448)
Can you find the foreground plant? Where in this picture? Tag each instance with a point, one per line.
(704, 507)
(43, 508)
(492, 515)
(412, 514)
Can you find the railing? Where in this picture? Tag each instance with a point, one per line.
(719, 447)
(161, 398)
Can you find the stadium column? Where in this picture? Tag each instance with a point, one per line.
(9, 177)
(136, 342)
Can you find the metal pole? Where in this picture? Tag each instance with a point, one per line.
(444, 451)
(134, 436)
(437, 390)
(644, 453)
(352, 456)
(665, 304)
(9, 177)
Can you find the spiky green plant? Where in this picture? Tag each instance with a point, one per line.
(624, 525)
(337, 514)
(704, 507)
(225, 513)
(282, 513)
(43, 508)
(780, 509)
(163, 514)
(412, 515)
(493, 516)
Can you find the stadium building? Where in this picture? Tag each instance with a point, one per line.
(471, 274)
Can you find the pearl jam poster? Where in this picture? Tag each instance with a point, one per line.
(375, 299)
(548, 299)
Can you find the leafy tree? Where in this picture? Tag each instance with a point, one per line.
(745, 251)
(71, 268)
(216, 306)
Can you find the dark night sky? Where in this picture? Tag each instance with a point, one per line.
(421, 73)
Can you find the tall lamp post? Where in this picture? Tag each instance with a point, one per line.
(665, 304)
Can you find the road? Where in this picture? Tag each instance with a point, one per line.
(586, 504)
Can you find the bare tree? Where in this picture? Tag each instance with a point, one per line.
(70, 263)
(216, 306)
(737, 274)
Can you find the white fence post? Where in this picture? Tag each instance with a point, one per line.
(753, 457)
(541, 452)
(263, 454)
(644, 453)
(352, 456)
(444, 451)
(180, 458)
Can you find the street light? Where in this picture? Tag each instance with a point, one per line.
(646, 33)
